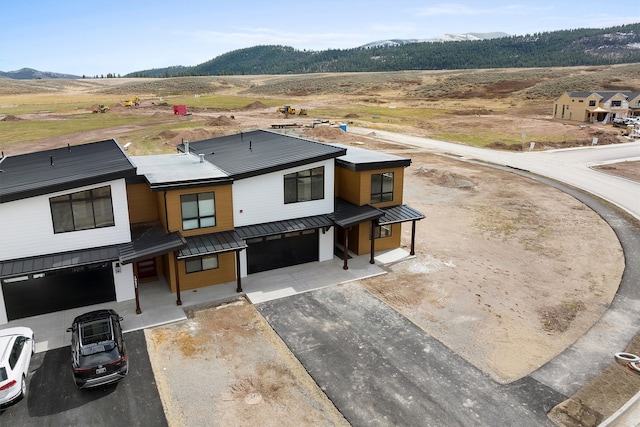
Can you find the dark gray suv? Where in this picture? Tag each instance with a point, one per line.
(98, 352)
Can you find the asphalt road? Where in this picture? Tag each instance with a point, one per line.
(379, 369)
(53, 399)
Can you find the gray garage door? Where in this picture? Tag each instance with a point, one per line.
(282, 250)
(46, 292)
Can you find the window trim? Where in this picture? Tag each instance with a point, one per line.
(378, 195)
(308, 179)
(62, 207)
(199, 218)
(201, 266)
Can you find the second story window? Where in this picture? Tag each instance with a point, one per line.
(198, 210)
(616, 103)
(592, 103)
(304, 185)
(83, 210)
(382, 187)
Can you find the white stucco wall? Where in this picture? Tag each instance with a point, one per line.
(123, 281)
(26, 226)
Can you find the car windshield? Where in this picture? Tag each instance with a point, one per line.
(3, 374)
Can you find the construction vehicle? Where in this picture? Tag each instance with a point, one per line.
(302, 112)
(101, 108)
(131, 101)
(287, 110)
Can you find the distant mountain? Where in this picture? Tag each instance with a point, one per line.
(578, 47)
(31, 74)
(442, 38)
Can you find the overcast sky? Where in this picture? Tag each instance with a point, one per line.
(91, 37)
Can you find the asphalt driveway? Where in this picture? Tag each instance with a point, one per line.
(378, 368)
(54, 400)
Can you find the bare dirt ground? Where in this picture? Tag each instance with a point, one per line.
(504, 272)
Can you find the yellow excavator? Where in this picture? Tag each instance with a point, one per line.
(101, 108)
(287, 110)
(131, 101)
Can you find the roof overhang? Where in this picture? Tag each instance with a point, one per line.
(400, 213)
(286, 226)
(347, 214)
(58, 261)
(214, 243)
(151, 243)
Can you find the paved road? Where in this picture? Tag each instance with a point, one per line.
(54, 400)
(571, 166)
(379, 369)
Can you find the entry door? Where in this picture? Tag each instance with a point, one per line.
(147, 271)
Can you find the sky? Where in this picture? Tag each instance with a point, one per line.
(94, 38)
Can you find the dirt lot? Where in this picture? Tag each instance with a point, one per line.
(504, 272)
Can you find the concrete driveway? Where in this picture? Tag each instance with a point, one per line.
(378, 368)
(54, 400)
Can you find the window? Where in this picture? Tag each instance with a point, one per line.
(304, 186)
(381, 231)
(83, 210)
(198, 210)
(592, 103)
(208, 262)
(382, 187)
(616, 103)
(16, 351)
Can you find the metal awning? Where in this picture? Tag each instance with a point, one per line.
(207, 244)
(347, 214)
(400, 213)
(58, 261)
(152, 242)
(286, 226)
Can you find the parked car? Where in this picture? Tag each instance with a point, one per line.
(17, 345)
(98, 352)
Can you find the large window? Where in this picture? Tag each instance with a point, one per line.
(382, 187)
(616, 103)
(83, 210)
(198, 210)
(381, 231)
(592, 103)
(208, 262)
(304, 185)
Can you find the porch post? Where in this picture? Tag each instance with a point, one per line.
(135, 287)
(178, 300)
(413, 238)
(373, 242)
(238, 279)
(345, 249)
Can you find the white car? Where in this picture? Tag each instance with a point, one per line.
(17, 345)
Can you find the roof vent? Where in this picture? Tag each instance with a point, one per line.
(201, 158)
(186, 147)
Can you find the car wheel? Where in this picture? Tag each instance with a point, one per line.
(24, 387)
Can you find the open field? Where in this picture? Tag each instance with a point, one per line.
(502, 274)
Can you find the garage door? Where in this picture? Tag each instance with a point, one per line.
(282, 250)
(50, 291)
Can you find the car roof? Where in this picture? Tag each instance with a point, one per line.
(7, 336)
(95, 315)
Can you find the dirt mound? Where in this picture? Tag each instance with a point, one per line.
(11, 118)
(327, 133)
(167, 134)
(220, 121)
(446, 178)
(351, 116)
(255, 106)
(497, 145)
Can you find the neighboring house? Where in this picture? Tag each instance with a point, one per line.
(597, 106)
(213, 213)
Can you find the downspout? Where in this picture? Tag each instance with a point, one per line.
(373, 241)
(238, 278)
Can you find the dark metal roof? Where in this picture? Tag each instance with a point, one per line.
(400, 213)
(286, 226)
(260, 152)
(358, 159)
(43, 172)
(205, 244)
(347, 214)
(58, 261)
(150, 243)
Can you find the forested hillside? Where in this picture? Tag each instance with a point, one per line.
(615, 45)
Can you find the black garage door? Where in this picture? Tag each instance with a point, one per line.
(50, 291)
(282, 250)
